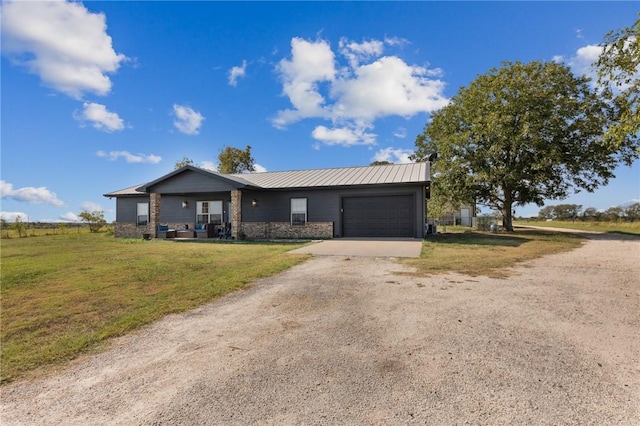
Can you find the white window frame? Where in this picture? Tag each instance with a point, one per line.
(298, 210)
(209, 212)
(142, 210)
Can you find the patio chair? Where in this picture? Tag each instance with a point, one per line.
(165, 232)
(225, 232)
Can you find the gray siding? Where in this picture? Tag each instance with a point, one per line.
(127, 208)
(323, 205)
(171, 206)
(190, 182)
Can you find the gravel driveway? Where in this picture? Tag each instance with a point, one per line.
(340, 340)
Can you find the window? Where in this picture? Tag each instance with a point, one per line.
(298, 211)
(142, 214)
(209, 212)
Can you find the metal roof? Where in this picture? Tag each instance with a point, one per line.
(313, 178)
(132, 190)
(346, 176)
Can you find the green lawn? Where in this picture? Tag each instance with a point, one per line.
(479, 253)
(621, 227)
(65, 294)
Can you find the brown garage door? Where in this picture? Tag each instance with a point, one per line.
(380, 216)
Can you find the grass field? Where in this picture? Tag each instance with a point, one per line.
(475, 253)
(622, 227)
(32, 231)
(65, 294)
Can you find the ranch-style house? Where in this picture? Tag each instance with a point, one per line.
(190, 202)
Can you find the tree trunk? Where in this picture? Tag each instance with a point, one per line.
(507, 214)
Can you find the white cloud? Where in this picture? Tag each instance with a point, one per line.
(357, 52)
(346, 136)
(386, 87)
(11, 216)
(394, 155)
(311, 63)
(100, 118)
(582, 62)
(130, 158)
(63, 43)
(396, 41)
(209, 165)
(90, 206)
(187, 120)
(69, 217)
(29, 194)
(237, 72)
(354, 96)
(259, 168)
(400, 133)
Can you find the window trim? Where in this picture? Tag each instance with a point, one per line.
(298, 211)
(210, 211)
(138, 215)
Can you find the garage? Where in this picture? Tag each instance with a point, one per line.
(378, 216)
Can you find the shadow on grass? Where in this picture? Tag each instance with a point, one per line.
(615, 236)
(478, 238)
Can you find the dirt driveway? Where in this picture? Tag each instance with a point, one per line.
(340, 340)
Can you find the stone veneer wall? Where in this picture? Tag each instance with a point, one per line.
(154, 208)
(131, 230)
(236, 212)
(269, 230)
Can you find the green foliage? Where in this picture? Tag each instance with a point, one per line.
(234, 160)
(380, 163)
(182, 163)
(574, 211)
(618, 66)
(62, 227)
(591, 213)
(561, 212)
(4, 229)
(632, 212)
(521, 134)
(20, 227)
(613, 214)
(95, 220)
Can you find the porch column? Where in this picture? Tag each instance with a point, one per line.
(154, 207)
(236, 213)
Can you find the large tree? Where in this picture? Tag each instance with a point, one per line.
(521, 134)
(182, 163)
(234, 160)
(618, 74)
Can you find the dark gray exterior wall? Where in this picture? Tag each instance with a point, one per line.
(190, 182)
(170, 207)
(171, 210)
(324, 205)
(127, 208)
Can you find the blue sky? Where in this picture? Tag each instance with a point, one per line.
(99, 96)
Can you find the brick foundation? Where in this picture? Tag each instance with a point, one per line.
(131, 230)
(284, 230)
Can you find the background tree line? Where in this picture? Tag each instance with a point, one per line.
(575, 212)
